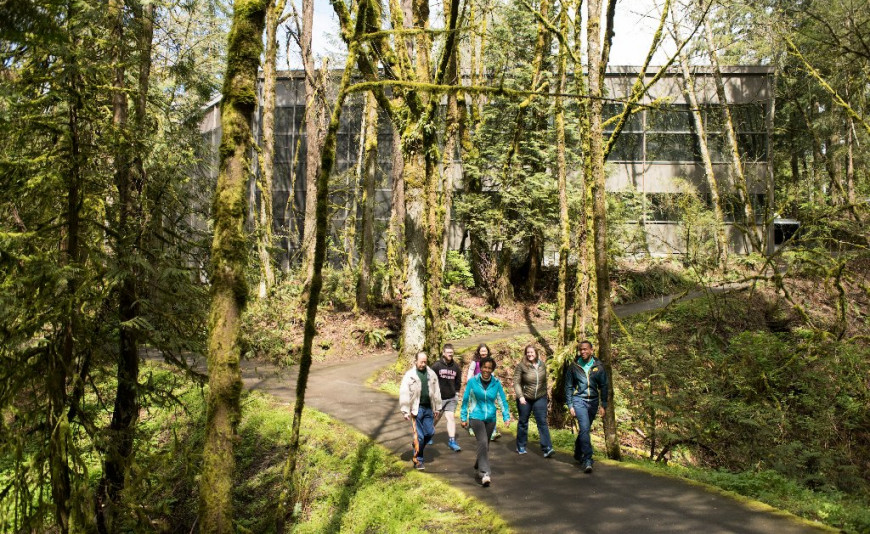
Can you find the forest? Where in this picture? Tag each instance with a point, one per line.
(190, 189)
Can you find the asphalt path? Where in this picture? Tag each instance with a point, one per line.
(532, 493)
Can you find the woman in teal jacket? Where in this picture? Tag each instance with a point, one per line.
(482, 393)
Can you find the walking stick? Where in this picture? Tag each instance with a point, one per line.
(416, 441)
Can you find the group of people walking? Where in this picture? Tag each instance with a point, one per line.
(428, 393)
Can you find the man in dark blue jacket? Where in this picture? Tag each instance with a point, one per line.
(586, 396)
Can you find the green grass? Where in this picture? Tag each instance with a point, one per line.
(345, 483)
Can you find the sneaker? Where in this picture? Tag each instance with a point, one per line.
(549, 452)
(495, 435)
(419, 465)
(587, 468)
(485, 481)
(521, 450)
(451, 443)
(430, 442)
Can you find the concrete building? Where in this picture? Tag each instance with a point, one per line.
(655, 159)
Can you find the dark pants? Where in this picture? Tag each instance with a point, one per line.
(425, 429)
(482, 431)
(585, 413)
(539, 408)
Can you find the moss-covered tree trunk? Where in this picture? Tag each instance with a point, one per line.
(367, 241)
(700, 132)
(736, 167)
(228, 261)
(536, 252)
(327, 161)
(478, 251)
(585, 312)
(267, 161)
(414, 293)
(396, 231)
(562, 178)
(450, 161)
(314, 137)
(596, 155)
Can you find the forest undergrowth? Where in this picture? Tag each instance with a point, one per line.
(346, 482)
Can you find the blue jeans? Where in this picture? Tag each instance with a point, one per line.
(585, 413)
(425, 429)
(539, 408)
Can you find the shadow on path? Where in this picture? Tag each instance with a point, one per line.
(542, 341)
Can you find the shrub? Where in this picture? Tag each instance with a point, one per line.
(457, 270)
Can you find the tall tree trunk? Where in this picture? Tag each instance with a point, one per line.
(267, 161)
(61, 361)
(478, 251)
(434, 250)
(367, 246)
(770, 177)
(126, 406)
(795, 168)
(414, 294)
(433, 202)
(585, 312)
(353, 182)
(850, 162)
(712, 184)
(838, 192)
(450, 162)
(535, 254)
(327, 160)
(736, 167)
(562, 177)
(396, 232)
(596, 155)
(313, 133)
(228, 261)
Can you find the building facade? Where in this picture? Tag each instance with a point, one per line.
(655, 162)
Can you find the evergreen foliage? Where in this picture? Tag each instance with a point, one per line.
(60, 260)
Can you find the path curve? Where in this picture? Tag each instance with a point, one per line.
(532, 493)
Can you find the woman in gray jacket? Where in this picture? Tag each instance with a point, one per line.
(530, 386)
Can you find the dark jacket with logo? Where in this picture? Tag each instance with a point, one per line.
(591, 387)
(449, 377)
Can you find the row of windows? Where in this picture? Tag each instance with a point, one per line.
(665, 147)
(678, 118)
(670, 207)
(668, 133)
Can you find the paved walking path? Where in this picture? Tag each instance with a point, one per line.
(532, 493)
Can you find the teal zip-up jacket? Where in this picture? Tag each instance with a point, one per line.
(591, 386)
(480, 403)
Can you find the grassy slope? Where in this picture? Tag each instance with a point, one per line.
(347, 483)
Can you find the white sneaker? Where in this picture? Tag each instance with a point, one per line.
(485, 481)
